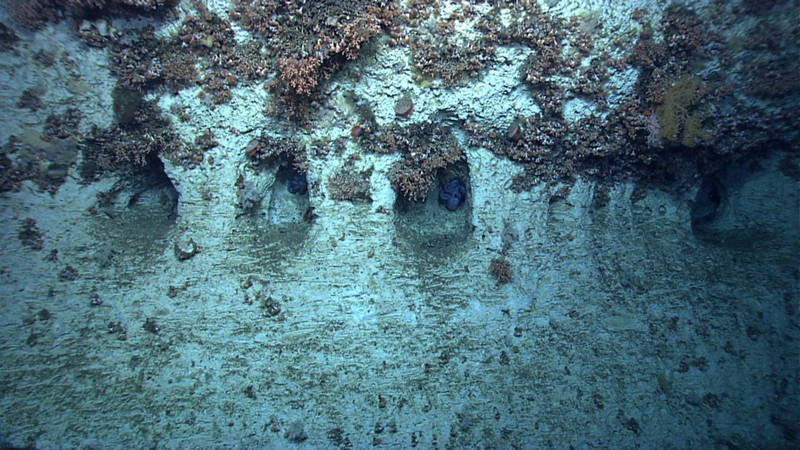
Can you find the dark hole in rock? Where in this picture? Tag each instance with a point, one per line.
(709, 203)
(151, 182)
(279, 224)
(133, 218)
(442, 223)
(748, 204)
(290, 197)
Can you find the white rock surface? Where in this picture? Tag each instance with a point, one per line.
(388, 329)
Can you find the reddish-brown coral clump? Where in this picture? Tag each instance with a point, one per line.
(300, 75)
(309, 41)
(35, 13)
(271, 150)
(438, 50)
(204, 37)
(500, 269)
(350, 184)
(426, 150)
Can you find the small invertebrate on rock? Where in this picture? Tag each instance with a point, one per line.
(452, 194)
(68, 273)
(515, 130)
(252, 148)
(151, 325)
(94, 299)
(404, 106)
(187, 250)
(356, 131)
(270, 306)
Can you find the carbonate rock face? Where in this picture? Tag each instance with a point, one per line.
(399, 224)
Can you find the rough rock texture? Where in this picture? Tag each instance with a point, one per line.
(636, 315)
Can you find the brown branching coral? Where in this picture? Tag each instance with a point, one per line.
(350, 184)
(544, 34)
(98, 4)
(300, 75)
(271, 150)
(130, 145)
(562, 65)
(450, 61)
(150, 61)
(425, 149)
(440, 51)
(203, 39)
(11, 176)
(35, 13)
(307, 42)
(500, 269)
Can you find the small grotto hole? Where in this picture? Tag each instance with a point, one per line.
(441, 223)
(274, 198)
(289, 201)
(134, 216)
(280, 224)
(748, 203)
(708, 205)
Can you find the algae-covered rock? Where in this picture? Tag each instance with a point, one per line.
(680, 115)
(126, 103)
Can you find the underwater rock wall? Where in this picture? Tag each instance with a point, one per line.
(240, 241)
